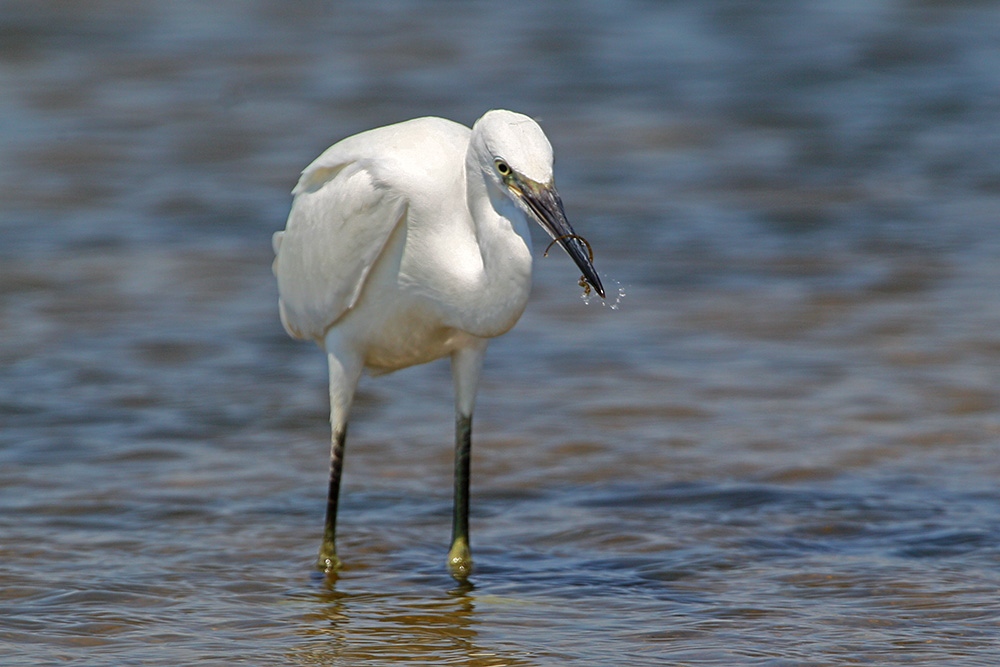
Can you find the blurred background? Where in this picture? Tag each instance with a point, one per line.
(782, 448)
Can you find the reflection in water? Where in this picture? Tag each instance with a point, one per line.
(371, 628)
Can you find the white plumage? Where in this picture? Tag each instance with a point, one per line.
(408, 243)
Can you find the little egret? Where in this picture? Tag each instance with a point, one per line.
(408, 243)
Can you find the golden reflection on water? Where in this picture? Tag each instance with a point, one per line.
(373, 628)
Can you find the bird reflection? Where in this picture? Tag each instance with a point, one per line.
(341, 627)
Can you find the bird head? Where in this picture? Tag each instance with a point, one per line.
(515, 155)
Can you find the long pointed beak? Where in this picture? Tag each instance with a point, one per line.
(546, 207)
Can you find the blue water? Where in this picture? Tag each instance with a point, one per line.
(781, 449)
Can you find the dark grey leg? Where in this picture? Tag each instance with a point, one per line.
(328, 561)
(459, 557)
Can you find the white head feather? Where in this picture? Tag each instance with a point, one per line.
(517, 140)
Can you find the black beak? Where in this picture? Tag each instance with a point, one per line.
(546, 207)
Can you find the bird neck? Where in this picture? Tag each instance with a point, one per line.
(505, 248)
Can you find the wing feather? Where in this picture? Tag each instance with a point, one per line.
(340, 221)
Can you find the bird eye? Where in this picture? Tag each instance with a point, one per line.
(502, 167)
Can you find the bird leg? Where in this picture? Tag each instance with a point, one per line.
(466, 365)
(459, 557)
(328, 561)
(345, 370)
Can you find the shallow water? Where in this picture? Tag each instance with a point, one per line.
(782, 448)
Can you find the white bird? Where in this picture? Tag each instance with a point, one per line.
(408, 243)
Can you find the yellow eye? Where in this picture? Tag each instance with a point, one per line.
(502, 167)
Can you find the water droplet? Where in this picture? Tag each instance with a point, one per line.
(618, 294)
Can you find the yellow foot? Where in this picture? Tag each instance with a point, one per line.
(328, 561)
(460, 559)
